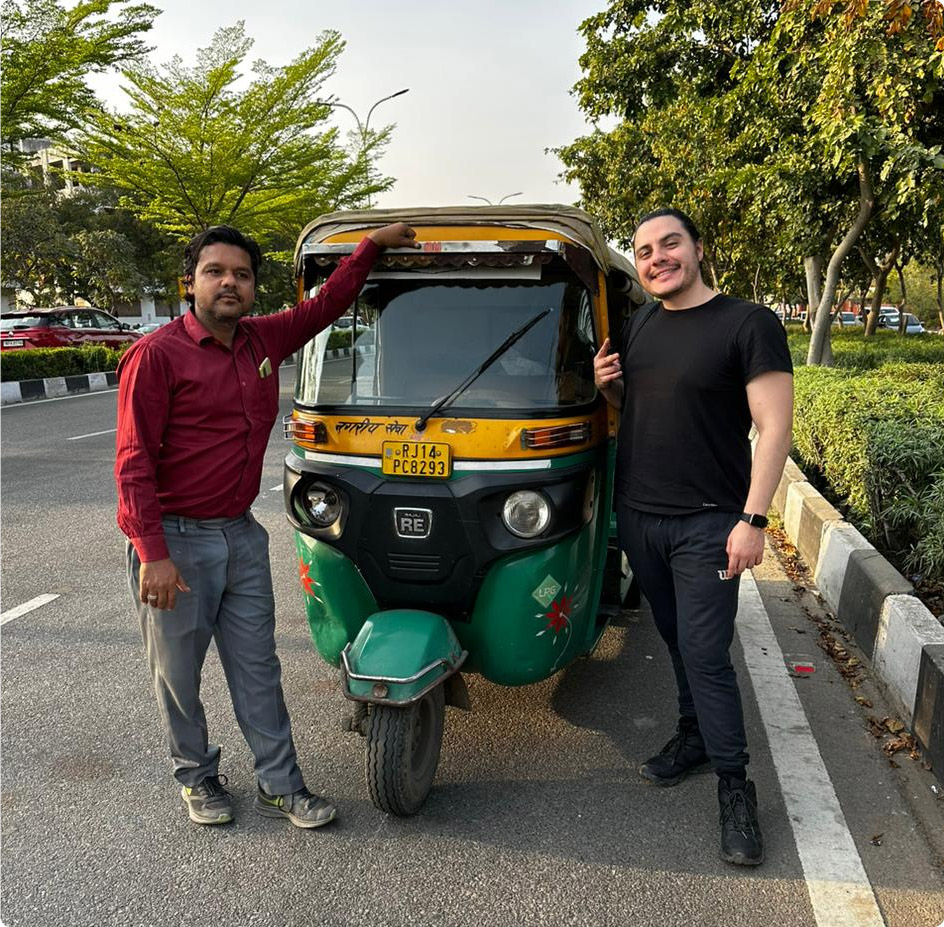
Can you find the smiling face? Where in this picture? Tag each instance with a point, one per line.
(667, 261)
(223, 286)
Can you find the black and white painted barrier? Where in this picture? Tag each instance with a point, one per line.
(876, 604)
(54, 387)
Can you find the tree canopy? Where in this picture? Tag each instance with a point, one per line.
(202, 146)
(785, 129)
(47, 54)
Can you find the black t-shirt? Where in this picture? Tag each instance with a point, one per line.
(683, 439)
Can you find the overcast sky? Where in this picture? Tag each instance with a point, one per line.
(489, 83)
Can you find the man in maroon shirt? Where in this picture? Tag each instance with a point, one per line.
(197, 400)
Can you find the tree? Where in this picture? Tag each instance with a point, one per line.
(196, 151)
(33, 245)
(782, 128)
(48, 52)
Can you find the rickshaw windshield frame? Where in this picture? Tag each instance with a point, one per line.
(417, 334)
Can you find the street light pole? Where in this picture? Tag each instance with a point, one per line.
(363, 127)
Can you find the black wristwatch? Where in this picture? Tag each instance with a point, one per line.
(755, 521)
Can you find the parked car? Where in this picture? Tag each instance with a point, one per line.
(849, 320)
(891, 320)
(145, 328)
(63, 327)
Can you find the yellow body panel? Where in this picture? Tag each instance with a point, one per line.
(468, 438)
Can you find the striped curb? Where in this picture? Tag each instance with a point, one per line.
(54, 387)
(901, 638)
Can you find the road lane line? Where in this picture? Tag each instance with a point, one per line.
(26, 607)
(93, 434)
(839, 888)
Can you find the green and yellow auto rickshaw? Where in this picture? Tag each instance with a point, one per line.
(450, 475)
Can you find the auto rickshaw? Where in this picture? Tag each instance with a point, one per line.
(451, 469)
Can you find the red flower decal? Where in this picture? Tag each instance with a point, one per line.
(305, 576)
(559, 616)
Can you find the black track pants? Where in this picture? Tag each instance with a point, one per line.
(679, 561)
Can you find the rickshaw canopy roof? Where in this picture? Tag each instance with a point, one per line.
(577, 225)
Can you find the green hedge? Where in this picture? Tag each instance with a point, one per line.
(877, 439)
(853, 350)
(38, 363)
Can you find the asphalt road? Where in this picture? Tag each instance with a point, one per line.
(537, 815)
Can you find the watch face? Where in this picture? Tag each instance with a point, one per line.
(756, 521)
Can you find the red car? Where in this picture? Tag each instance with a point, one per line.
(62, 327)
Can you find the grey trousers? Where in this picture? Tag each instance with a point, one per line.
(225, 561)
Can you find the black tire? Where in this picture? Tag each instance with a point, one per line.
(403, 752)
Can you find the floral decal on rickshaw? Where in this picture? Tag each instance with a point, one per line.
(304, 574)
(558, 617)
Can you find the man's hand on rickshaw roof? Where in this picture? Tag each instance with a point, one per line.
(398, 235)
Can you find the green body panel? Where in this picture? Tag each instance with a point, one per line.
(339, 601)
(400, 643)
(535, 612)
(514, 638)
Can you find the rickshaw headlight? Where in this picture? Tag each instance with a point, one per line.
(526, 513)
(323, 504)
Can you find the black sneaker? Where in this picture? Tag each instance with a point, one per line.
(741, 839)
(208, 802)
(683, 754)
(302, 808)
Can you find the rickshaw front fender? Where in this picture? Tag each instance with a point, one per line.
(398, 656)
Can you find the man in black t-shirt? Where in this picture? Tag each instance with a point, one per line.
(691, 373)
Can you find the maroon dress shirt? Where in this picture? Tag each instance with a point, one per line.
(194, 416)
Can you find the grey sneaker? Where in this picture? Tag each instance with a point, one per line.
(208, 802)
(302, 808)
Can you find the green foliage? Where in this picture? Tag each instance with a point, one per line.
(33, 245)
(38, 363)
(58, 249)
(877, 439)
(195, 151)
(775, 125)
(852, 350)
(47, 54)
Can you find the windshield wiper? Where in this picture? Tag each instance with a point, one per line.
(468, 381)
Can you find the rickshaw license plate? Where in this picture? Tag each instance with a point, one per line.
(415, 458)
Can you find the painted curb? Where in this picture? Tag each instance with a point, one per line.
(901, 638)
(905, 628)
(55, 387)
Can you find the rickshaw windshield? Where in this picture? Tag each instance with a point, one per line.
(416, 337)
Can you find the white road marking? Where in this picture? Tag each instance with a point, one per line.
(26, 607)
(274, 488)
(839, 888)
(93, 434)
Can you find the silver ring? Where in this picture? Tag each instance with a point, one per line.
(152, 598)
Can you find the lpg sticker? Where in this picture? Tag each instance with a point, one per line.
(545, 593)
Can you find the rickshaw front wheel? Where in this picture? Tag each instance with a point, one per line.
(403, 752)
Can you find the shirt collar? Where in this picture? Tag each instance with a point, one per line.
(198, 332)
